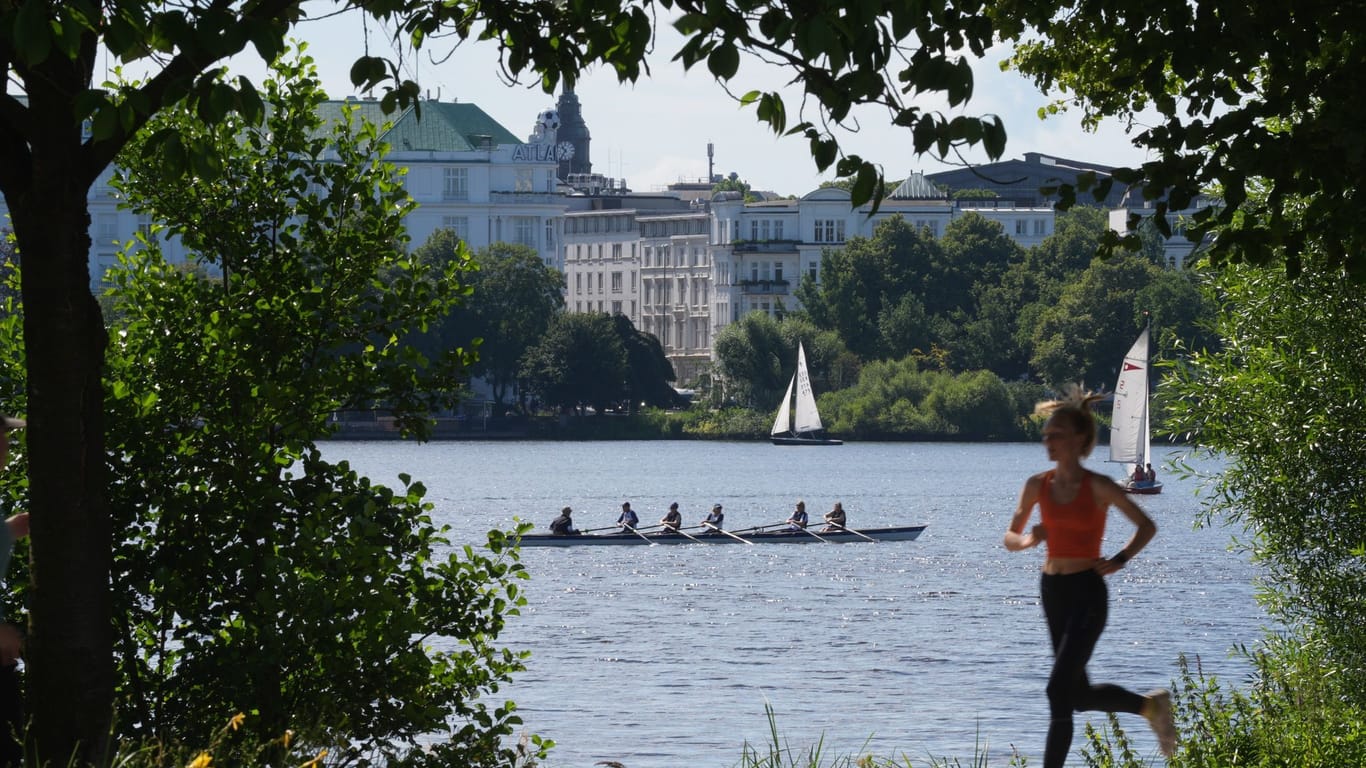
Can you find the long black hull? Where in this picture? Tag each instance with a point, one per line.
(868, 535)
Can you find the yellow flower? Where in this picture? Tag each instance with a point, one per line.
(202, 761)
(236, 721)
(317, 759)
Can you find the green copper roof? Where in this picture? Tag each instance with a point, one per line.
(443, 126)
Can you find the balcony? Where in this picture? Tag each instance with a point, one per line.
(763, 287)
(765, 246)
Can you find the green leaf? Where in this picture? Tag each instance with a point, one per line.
(724, 61)
(32, 32)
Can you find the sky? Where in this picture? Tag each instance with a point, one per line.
(655, 132)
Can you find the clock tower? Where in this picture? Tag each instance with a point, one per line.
(574, 131)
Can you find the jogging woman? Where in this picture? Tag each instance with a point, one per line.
(1073, 503)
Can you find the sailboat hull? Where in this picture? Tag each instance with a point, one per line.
(1144, 488)
(777, 440)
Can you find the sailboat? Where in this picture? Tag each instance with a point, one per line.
(798, 426)
(1129, 432)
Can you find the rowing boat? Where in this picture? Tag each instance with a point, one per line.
(900, 533)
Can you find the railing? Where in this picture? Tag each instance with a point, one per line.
(760, 287)
(765, 246)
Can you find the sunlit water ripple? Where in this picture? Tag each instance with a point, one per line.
(665, 657)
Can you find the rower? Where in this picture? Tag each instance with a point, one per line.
(673, 520)
(835, 519)
(798, 520)
(714, 520)
(627, 521)
(563, 525)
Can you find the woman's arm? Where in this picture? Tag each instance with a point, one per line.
(1108, 491)
(1016, 539)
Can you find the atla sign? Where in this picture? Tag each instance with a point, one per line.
(542, 153)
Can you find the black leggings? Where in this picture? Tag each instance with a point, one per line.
(1075, 606)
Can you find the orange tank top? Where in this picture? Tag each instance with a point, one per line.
(1075, 528)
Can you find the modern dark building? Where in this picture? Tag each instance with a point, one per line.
(1021, 181)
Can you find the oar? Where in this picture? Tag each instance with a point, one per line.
(618, 528)
(641, 535)
(856, 533)
(728, 533)
(758, 528)
(682, 532)
(813, 533)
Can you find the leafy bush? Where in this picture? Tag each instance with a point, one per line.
(896, 399)
(251, 574)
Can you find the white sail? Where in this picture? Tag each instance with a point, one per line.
(1129, 427)
(807, 418)
(781, 425)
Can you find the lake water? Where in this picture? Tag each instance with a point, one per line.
(665, 657)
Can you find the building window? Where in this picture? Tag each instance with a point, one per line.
(578, 282)
(754, 229)
(829, 230)
(524, 180)
(524, 230)
(764, 229)
(777, 235)
(1020, 227)
(812, 268)
(457, 184)
(108, 228)
(616, 307)
(1039, 227)
(600, 290)
(616, 284)
(778, 271)
(682, 290)
(754, 271)
(616, 251)
(460, 225)
(549, 234)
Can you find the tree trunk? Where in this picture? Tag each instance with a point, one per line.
(69, 652)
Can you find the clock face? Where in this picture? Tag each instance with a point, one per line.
(565, 150)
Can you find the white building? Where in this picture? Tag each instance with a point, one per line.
(676, 280)
(761, 250)
(468, 173)
(1176, 248)
(464, 170)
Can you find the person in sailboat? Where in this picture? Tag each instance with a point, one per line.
(714, 521)
(1139, 475)
(1073, 503)
(1151, 474)
(835, 519)
(672, 521)
(798, 520)
(628, 520)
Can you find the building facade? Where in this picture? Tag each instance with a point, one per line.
(676, 287)
(465, 171)
(762, 250)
